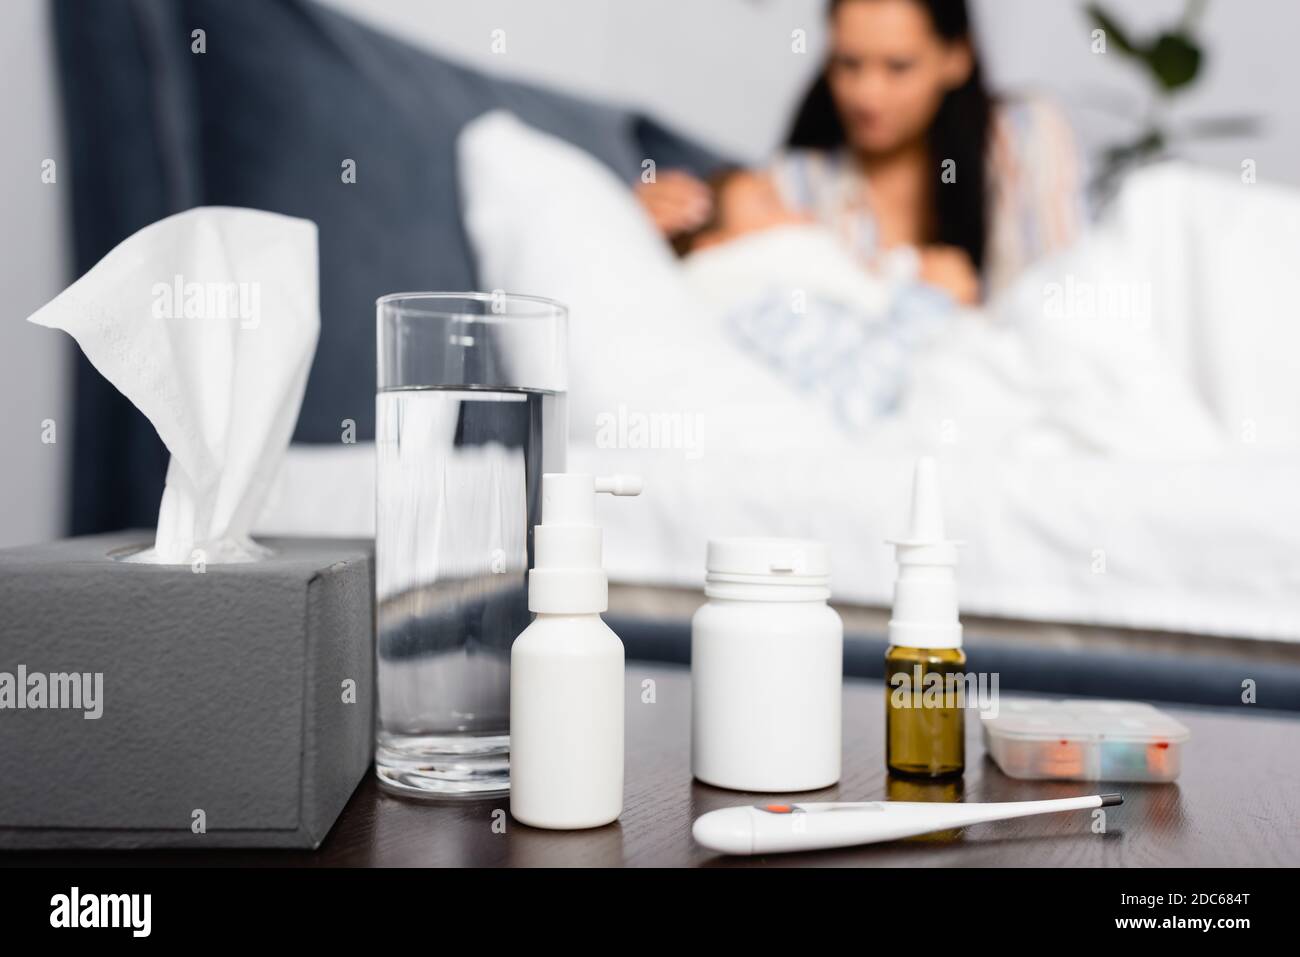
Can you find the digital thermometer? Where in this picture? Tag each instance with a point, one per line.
(778, 828)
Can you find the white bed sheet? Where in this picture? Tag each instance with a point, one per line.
(1159, 544)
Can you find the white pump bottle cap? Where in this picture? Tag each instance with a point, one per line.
(925, 591)
(568, 574)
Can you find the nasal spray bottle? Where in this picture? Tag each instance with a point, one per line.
(924, 723)
(566, 668)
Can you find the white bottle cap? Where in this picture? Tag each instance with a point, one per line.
(568, 574)
(925, 591)
(731, 564)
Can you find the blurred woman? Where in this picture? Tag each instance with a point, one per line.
(898, 146)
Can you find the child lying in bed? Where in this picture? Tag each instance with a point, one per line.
(742, 202)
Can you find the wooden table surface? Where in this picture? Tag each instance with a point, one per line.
(1237, 802)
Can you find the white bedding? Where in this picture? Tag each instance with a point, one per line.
(1133, 463)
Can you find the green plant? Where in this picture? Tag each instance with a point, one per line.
(1172, 61)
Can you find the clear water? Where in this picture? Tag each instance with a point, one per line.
(459, 488)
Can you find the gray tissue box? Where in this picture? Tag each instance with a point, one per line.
(222, 697)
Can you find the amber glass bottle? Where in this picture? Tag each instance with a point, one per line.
(925, 728)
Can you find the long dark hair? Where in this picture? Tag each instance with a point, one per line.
(959, 132)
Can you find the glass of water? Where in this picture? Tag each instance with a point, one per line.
(470, 412)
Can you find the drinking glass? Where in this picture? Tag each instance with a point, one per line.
(470, 412)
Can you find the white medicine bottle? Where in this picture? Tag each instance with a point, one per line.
(767, 659)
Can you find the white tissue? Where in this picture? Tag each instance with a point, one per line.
(207, 321)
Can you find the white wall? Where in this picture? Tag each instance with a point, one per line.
(1250, 67)
(724, 70)
(720, 69)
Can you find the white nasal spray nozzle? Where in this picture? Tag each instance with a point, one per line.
(568, 574)
(925, 591)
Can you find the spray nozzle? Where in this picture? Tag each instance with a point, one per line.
(619, 484)
(568, 575)
(569, 498)
(925, 520)
(925, 593)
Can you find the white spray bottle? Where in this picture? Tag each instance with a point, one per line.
(566, 668)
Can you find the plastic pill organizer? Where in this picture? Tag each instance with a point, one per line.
(1084, 740)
